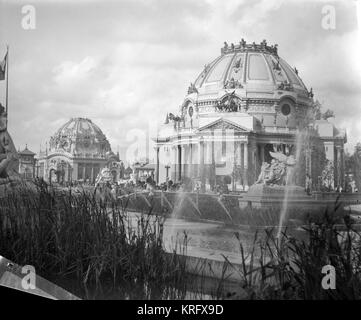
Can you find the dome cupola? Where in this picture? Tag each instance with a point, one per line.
(80, 137)
(249, 78)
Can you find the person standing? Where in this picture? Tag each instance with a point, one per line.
(308, 184)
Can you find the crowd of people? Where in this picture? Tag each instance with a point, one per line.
(186, 185)
(116, 190)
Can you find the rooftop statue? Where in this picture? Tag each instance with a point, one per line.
(232, 84)
(192, 88)
(8, 154)
(285, 86)
(275, 173)
(242, 44)
(230, 104)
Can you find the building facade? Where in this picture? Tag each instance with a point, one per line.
(244, 104)
(143, 171)
(27, 163)
(77, 152)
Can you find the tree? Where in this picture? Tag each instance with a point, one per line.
(328, 114)
(317, 113)
(355, 162)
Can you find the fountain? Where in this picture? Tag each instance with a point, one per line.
(289, 181)
(276, 185)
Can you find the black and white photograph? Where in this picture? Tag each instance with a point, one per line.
(162, 150)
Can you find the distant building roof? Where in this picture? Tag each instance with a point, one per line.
(327, 129)
(128, 170)
(144, 166)
(27, 152)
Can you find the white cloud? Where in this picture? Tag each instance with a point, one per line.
(70, 73)
(125, 64)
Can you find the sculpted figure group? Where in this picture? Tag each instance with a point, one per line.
(275, 173)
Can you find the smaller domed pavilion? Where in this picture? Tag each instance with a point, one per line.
(77, 152)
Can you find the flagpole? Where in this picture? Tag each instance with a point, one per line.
(7, 85)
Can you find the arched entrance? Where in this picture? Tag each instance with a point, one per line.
(53, 175)
(62, 167)
(60, 171)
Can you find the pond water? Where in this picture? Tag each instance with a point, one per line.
(205, 239)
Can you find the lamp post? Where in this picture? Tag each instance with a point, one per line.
(167, 167)
(37, 166)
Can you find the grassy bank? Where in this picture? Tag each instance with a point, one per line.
(73, 235)
(85, 242)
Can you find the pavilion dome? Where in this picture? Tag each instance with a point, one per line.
(257, 79)
(251, 67)
(80, 137)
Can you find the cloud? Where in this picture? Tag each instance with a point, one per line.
(70, 73)
(125, 64)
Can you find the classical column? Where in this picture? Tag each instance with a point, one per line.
(174, 163)
(213, 166)
(262, 146)
(238, 152)
(92, 175)
(252, 163)
(208, 149)
(190, 161)
(84, 167)
(195, 159)
(201, 161)
(157, 167)
(234, 162)
(179, 162)
(338, 164)
(245, 164)
(184, 161)
(187, 164)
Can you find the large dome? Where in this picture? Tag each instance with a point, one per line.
(80, 137)
(255, 80)
(251, 67)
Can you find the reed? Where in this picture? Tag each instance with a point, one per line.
(78, 235)
(91, 242)
(291, 268)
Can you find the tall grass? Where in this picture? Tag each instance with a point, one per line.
(77, 235)
(91, 240)
(291, 268)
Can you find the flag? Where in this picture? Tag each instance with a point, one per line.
(3, 67)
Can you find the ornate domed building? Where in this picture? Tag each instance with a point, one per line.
(245, 103)
(77, 151)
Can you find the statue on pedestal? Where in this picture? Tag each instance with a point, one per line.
(105, 176)
(8, 154)
(276, 172)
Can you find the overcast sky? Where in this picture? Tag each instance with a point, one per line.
(124, 64)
